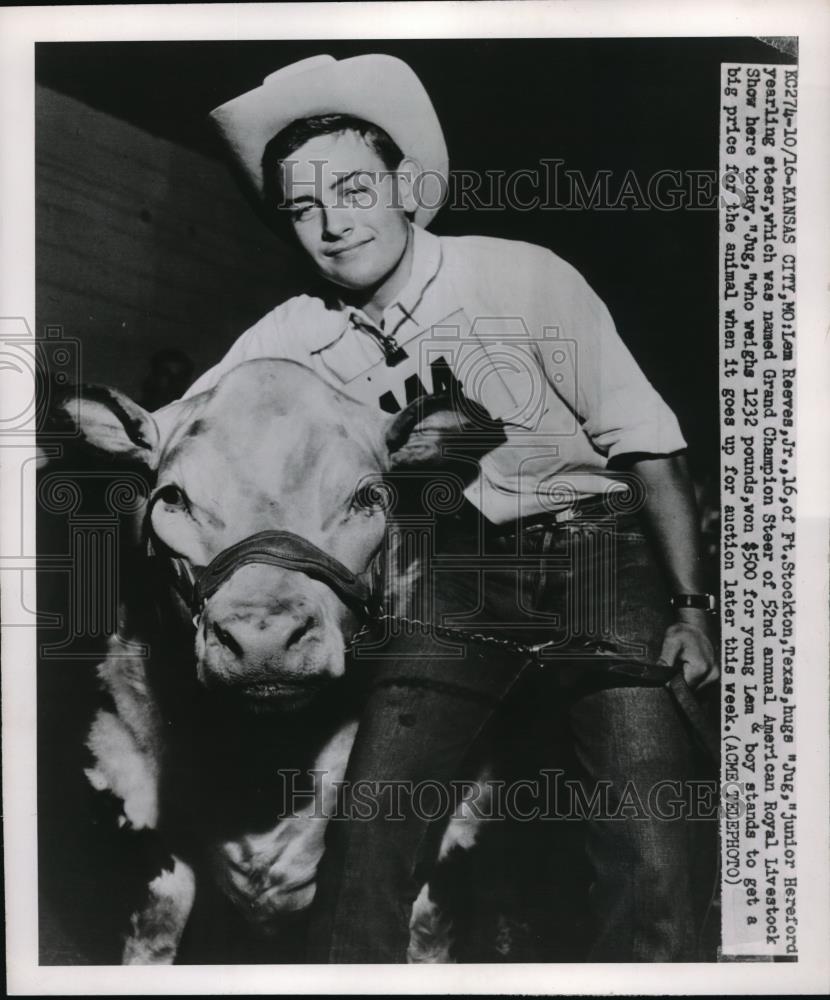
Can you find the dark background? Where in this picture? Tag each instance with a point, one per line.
(145, 242)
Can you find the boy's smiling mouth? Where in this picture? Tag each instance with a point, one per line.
(339, 252)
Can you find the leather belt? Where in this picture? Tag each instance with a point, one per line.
(470, 519)
(587, 507)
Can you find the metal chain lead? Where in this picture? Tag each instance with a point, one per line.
(450, 632)
(643, 672)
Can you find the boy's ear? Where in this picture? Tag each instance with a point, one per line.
(109, 422)
(441, 432)
(408, 172)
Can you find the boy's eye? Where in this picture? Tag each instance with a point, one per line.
(357, 195)
(302, 213)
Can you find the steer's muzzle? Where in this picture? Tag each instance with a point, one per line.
(271, 636)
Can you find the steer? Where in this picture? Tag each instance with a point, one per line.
(265, 527)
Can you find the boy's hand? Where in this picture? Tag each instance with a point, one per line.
(690, 643)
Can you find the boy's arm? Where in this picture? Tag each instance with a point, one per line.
(671, 514)
(628, 421)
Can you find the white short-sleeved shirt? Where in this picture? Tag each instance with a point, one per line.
(527, 338)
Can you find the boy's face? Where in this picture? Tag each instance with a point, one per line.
(346, 209)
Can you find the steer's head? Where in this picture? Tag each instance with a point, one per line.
(270, 447)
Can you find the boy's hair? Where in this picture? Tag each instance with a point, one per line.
(298, 133)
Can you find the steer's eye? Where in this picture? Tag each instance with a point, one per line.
(372, 495)
(172, 496)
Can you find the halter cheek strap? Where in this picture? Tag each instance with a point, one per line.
(283, 548)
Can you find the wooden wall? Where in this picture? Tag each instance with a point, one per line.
(143, 244)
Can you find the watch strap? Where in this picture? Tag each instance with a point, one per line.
(702, 602)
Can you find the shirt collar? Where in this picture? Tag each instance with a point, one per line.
(426, 262)
(401, 316)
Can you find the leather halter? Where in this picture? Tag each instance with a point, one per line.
(283, 548)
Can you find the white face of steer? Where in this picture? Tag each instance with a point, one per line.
(271, 447)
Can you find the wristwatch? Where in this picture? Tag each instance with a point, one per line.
(703, 602)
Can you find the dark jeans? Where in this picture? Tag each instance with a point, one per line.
(592, 586)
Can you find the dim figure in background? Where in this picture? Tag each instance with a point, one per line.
(170, 375)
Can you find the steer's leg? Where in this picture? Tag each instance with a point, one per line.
(431, 932)
(156, 929)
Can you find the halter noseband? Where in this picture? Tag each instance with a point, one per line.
(283, 548)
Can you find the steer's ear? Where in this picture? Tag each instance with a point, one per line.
(441, 432)
(109, 422)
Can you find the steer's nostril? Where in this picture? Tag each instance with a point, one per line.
(226, 639)
(300, 631)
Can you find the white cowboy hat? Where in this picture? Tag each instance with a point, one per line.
(380, 89)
